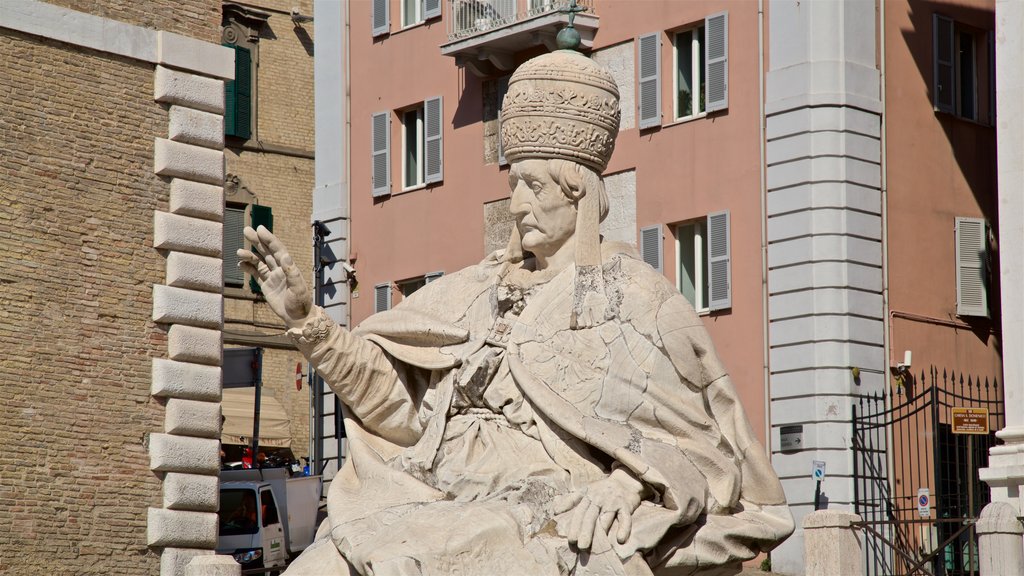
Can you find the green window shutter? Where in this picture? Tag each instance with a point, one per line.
(238, 96)
(260, 216)
(234, 221)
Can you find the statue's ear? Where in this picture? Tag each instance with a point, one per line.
(571, 178)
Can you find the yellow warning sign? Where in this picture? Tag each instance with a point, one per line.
(970, 420)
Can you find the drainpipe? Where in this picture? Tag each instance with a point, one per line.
(886, 317)
(764, 232)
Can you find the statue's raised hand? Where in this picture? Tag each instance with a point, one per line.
(283, 286)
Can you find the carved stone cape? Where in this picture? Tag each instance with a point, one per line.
(643, 389)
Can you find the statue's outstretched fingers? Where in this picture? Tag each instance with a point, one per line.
(254, 240)
(273, 245)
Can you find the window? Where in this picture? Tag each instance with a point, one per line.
(412, 147)
(422, 146)
(701, 75)
(414, 11)
(234, 223)
(703, 271)
(963, 80)
(407, 287)
(971, 267)
(689, 56)
(693, 265)
(240, 31)
(269, 507)
(411, 12)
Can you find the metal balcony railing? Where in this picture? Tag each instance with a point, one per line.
(471, 17)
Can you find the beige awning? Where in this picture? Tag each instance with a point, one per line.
(238, 404)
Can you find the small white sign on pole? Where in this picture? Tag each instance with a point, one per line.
(924, 503)
(818, 470)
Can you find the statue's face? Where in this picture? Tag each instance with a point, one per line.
(545, 217)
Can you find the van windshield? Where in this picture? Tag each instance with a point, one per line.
(238, 512)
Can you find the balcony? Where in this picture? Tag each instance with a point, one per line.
(483, 35)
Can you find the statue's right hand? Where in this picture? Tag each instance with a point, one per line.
(283, 287)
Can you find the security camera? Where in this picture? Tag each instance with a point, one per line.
(347, 268)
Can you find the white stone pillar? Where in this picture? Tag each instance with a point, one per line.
(824, 203)
(1000, 535)
(213, 566)
(1005, 472)
(831, 545)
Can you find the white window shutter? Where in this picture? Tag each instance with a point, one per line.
(382, 297)
(433, 141)
(719, 261)
(381, 18)
(428, 278)
(651, 249)
(716, 62)
(431, 9)
(234, 222)
(649, 80)
(943, 84)
(971, 257)
(381, 147)
(502, 90)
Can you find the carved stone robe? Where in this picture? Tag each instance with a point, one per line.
(466, 421)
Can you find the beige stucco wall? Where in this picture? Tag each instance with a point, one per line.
(77, 266)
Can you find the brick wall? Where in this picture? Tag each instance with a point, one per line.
(199, 19)
(77, 195)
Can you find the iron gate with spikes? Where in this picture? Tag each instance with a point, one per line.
(903, 444)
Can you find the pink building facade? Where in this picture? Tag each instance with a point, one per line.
(818, 178)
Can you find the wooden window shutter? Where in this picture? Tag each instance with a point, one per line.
(381, 146)
(381, 18)
(431, 9)
(649, 80)
(943, 83)
(382, 297)
(428, 278)
(651, 248)
(502, 90)
(433, 141)
(719, 261)
(260, 216)
(238, 96)
(234, 222)
(971, 257)
(716, 62)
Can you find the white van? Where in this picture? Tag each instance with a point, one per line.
(266, 518)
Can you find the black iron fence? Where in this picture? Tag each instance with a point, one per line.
(916, 452)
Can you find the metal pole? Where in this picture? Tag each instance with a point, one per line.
(316, 383)
(970, 502)
(258, 370)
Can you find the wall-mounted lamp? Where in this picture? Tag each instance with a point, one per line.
(298, 17)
